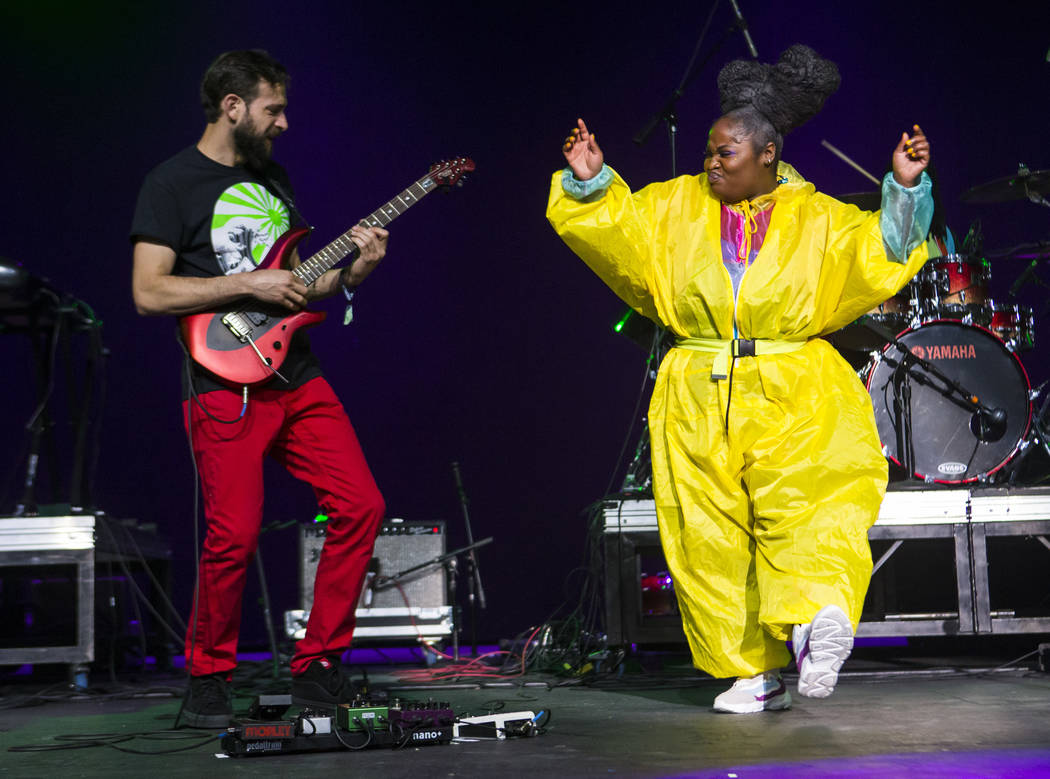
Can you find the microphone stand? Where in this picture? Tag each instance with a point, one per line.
(902, 415)
(668, 113)
(475, 591)
(264, 598)
(952, 389)
(450, 561)
(271, 635)
(904, 370)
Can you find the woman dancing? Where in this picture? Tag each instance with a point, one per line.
(767, 469)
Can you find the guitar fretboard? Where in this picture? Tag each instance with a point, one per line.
(312, 268)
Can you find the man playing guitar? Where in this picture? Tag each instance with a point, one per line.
(202, 217)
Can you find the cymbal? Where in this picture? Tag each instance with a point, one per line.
(865, 201)
(1015, 187)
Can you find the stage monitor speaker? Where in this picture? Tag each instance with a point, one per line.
(400, 545)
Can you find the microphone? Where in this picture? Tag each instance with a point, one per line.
(974, 241)
(990, 425)
(368, 591)
(743, 28)
(459, 483)
(1026, 274)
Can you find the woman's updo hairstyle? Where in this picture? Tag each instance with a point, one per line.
(769, 101)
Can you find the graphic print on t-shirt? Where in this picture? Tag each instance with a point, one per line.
(246, 222)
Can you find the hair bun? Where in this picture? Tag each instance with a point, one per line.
(788, 94)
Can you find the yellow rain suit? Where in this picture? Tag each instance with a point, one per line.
(764, 518)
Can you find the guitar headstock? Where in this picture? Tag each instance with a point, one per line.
(448, 173)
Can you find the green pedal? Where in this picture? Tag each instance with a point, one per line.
(354, 718)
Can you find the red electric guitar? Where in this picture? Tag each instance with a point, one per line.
(247, 343)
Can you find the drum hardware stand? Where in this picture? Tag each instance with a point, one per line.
(451, 562)
(1037, 436)
(1033, 195)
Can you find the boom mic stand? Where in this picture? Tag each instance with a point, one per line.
(264, 598)
(987, 423)
(475, 592)
(450, 561)
(668, 112)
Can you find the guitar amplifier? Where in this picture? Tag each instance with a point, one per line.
(416, 607)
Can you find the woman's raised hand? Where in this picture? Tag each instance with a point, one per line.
(582, 153)
(911, 157)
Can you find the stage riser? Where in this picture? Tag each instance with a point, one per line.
(59, 564)
(958, 573)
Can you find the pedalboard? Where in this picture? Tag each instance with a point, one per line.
(362, 724)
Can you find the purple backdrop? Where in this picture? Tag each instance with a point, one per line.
(481, 339)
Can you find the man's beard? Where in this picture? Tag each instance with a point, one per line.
(250, 146)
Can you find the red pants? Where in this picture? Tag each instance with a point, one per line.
(308, 432)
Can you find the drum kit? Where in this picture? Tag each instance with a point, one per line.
(942, 359)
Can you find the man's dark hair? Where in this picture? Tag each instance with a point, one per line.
(238, 73)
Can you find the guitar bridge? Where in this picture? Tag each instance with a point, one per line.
(239, 325)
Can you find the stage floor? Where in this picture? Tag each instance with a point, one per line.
(892, 714)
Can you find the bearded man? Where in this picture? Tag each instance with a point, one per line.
(202, 218)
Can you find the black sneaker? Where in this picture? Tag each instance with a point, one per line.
(209, 702)
(324, 685)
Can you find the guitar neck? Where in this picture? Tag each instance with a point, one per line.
(312, 268)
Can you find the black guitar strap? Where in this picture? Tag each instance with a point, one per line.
(289, 201)
(286, 196)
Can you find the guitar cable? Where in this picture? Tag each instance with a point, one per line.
(195, 396)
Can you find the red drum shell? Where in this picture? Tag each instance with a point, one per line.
(955, 278)
(1014, 324)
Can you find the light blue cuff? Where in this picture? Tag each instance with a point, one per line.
(905, 216)
(588, 190)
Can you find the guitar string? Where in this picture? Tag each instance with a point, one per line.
(316, 262)
(377, 221)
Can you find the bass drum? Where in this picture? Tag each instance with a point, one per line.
(947, 440)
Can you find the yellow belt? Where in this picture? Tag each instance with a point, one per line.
(723, 349)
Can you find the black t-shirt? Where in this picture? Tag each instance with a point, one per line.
(219, 220)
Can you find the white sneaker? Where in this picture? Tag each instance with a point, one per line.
(765, 692)
(821, 647)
